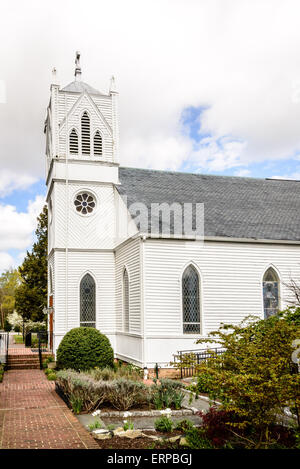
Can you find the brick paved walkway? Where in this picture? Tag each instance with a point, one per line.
(33, 416)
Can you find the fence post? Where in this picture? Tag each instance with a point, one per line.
(40, 353)
(7, 345)
(180, 358)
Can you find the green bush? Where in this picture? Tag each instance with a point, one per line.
(204, 382)
(163, 424)
(196, 439)
(7, 326)
(1, 372)
(184, 425)
(167, 394)
(51, 376)
(76, 404)
(84, 348)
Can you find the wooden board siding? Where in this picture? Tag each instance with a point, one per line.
(129, 255)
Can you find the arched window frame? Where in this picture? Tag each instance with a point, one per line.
(86, 155)
(102, 142)
(74, 129)
(126, 300)
(196, 269)
(84, 323)
(273, 269)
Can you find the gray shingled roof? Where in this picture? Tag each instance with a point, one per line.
(234, 207)
(80, 87)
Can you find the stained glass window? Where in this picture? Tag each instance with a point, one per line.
(84, 203)
(191, 301)
(126, 300)
(87, 302)
(270, 293)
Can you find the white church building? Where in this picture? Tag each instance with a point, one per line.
(154, 293)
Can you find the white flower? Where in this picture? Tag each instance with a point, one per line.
(125, 421)
(127, 414)
(97, 412)
(166, 412)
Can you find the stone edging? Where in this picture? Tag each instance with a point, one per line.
(145, 413)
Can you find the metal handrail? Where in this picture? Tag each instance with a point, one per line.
(200, 355)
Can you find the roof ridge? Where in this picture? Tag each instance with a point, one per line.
(219, 176)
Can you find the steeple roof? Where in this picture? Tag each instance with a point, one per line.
(80, 87)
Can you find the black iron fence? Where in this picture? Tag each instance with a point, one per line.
(40, 342)
(194, 357)
(4, 342)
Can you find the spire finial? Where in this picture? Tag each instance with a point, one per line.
(54, 76)
(112, 88)
(77, 68)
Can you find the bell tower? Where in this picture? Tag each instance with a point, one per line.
(82, 163)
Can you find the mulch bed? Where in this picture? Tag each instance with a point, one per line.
(117, 442)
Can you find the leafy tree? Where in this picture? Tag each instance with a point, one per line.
(31, 296)
(9, 282)
(255, 378)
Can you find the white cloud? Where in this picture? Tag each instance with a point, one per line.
(242, 172)
(16, 228)
(238, 58)
(293, 176)
(6, 261)
(10, 181)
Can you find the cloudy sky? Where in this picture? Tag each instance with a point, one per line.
(210, 86)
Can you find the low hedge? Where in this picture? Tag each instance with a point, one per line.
(84, 348)
(120, 393)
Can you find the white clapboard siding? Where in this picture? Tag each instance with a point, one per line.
(101, 266)
(100, 113)
(129, 255)
(95, 231)
(231, 276)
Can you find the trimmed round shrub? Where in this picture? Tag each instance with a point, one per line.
(84, 348)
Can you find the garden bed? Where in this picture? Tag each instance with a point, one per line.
(143, 442)
(116, 391)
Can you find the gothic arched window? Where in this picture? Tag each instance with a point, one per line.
(97, 144)
(126, 300)
(73, 142)
(87, 301)
(270, 293)
(85, 134)
(191, 300)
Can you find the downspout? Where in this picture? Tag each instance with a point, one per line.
(143, 319)
(67, 218)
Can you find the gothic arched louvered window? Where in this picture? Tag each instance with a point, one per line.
(191, 301)
(85, 134)
(97, 144)
(73, 142)
(126, 300)
(270, 293)
(87, 301)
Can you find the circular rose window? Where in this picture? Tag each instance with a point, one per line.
(84, 203)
